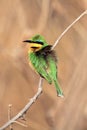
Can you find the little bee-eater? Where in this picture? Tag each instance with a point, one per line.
(43, 60)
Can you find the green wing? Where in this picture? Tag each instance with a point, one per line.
(53, 74)
(40, 66)
(46, 69)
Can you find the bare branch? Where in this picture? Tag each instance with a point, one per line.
(64, 32)
(25, 109)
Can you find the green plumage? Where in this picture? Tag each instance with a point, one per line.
(44, 61)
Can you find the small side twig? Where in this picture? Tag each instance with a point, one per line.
(19, 123)
(25, 109)
(64, 32)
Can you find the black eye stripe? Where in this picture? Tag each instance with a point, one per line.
(34, 47)
(38, 42)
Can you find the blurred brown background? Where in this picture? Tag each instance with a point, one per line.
(19, 20)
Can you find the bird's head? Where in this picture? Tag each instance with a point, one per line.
(36, 43)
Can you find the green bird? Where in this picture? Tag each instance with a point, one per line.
(43, 60)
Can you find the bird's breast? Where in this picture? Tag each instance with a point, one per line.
(32, 67)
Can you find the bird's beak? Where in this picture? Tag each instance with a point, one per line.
(29, 41)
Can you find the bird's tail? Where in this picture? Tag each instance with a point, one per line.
(59, 90)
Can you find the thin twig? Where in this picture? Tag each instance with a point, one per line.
(22, 124)
(64, 32)
(25, 109)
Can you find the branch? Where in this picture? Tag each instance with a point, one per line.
(65, 31)
(25, 109)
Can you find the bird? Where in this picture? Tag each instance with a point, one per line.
(42, 58)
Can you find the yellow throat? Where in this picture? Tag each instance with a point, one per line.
(33, 47)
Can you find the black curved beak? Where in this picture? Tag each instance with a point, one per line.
(29, 41)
